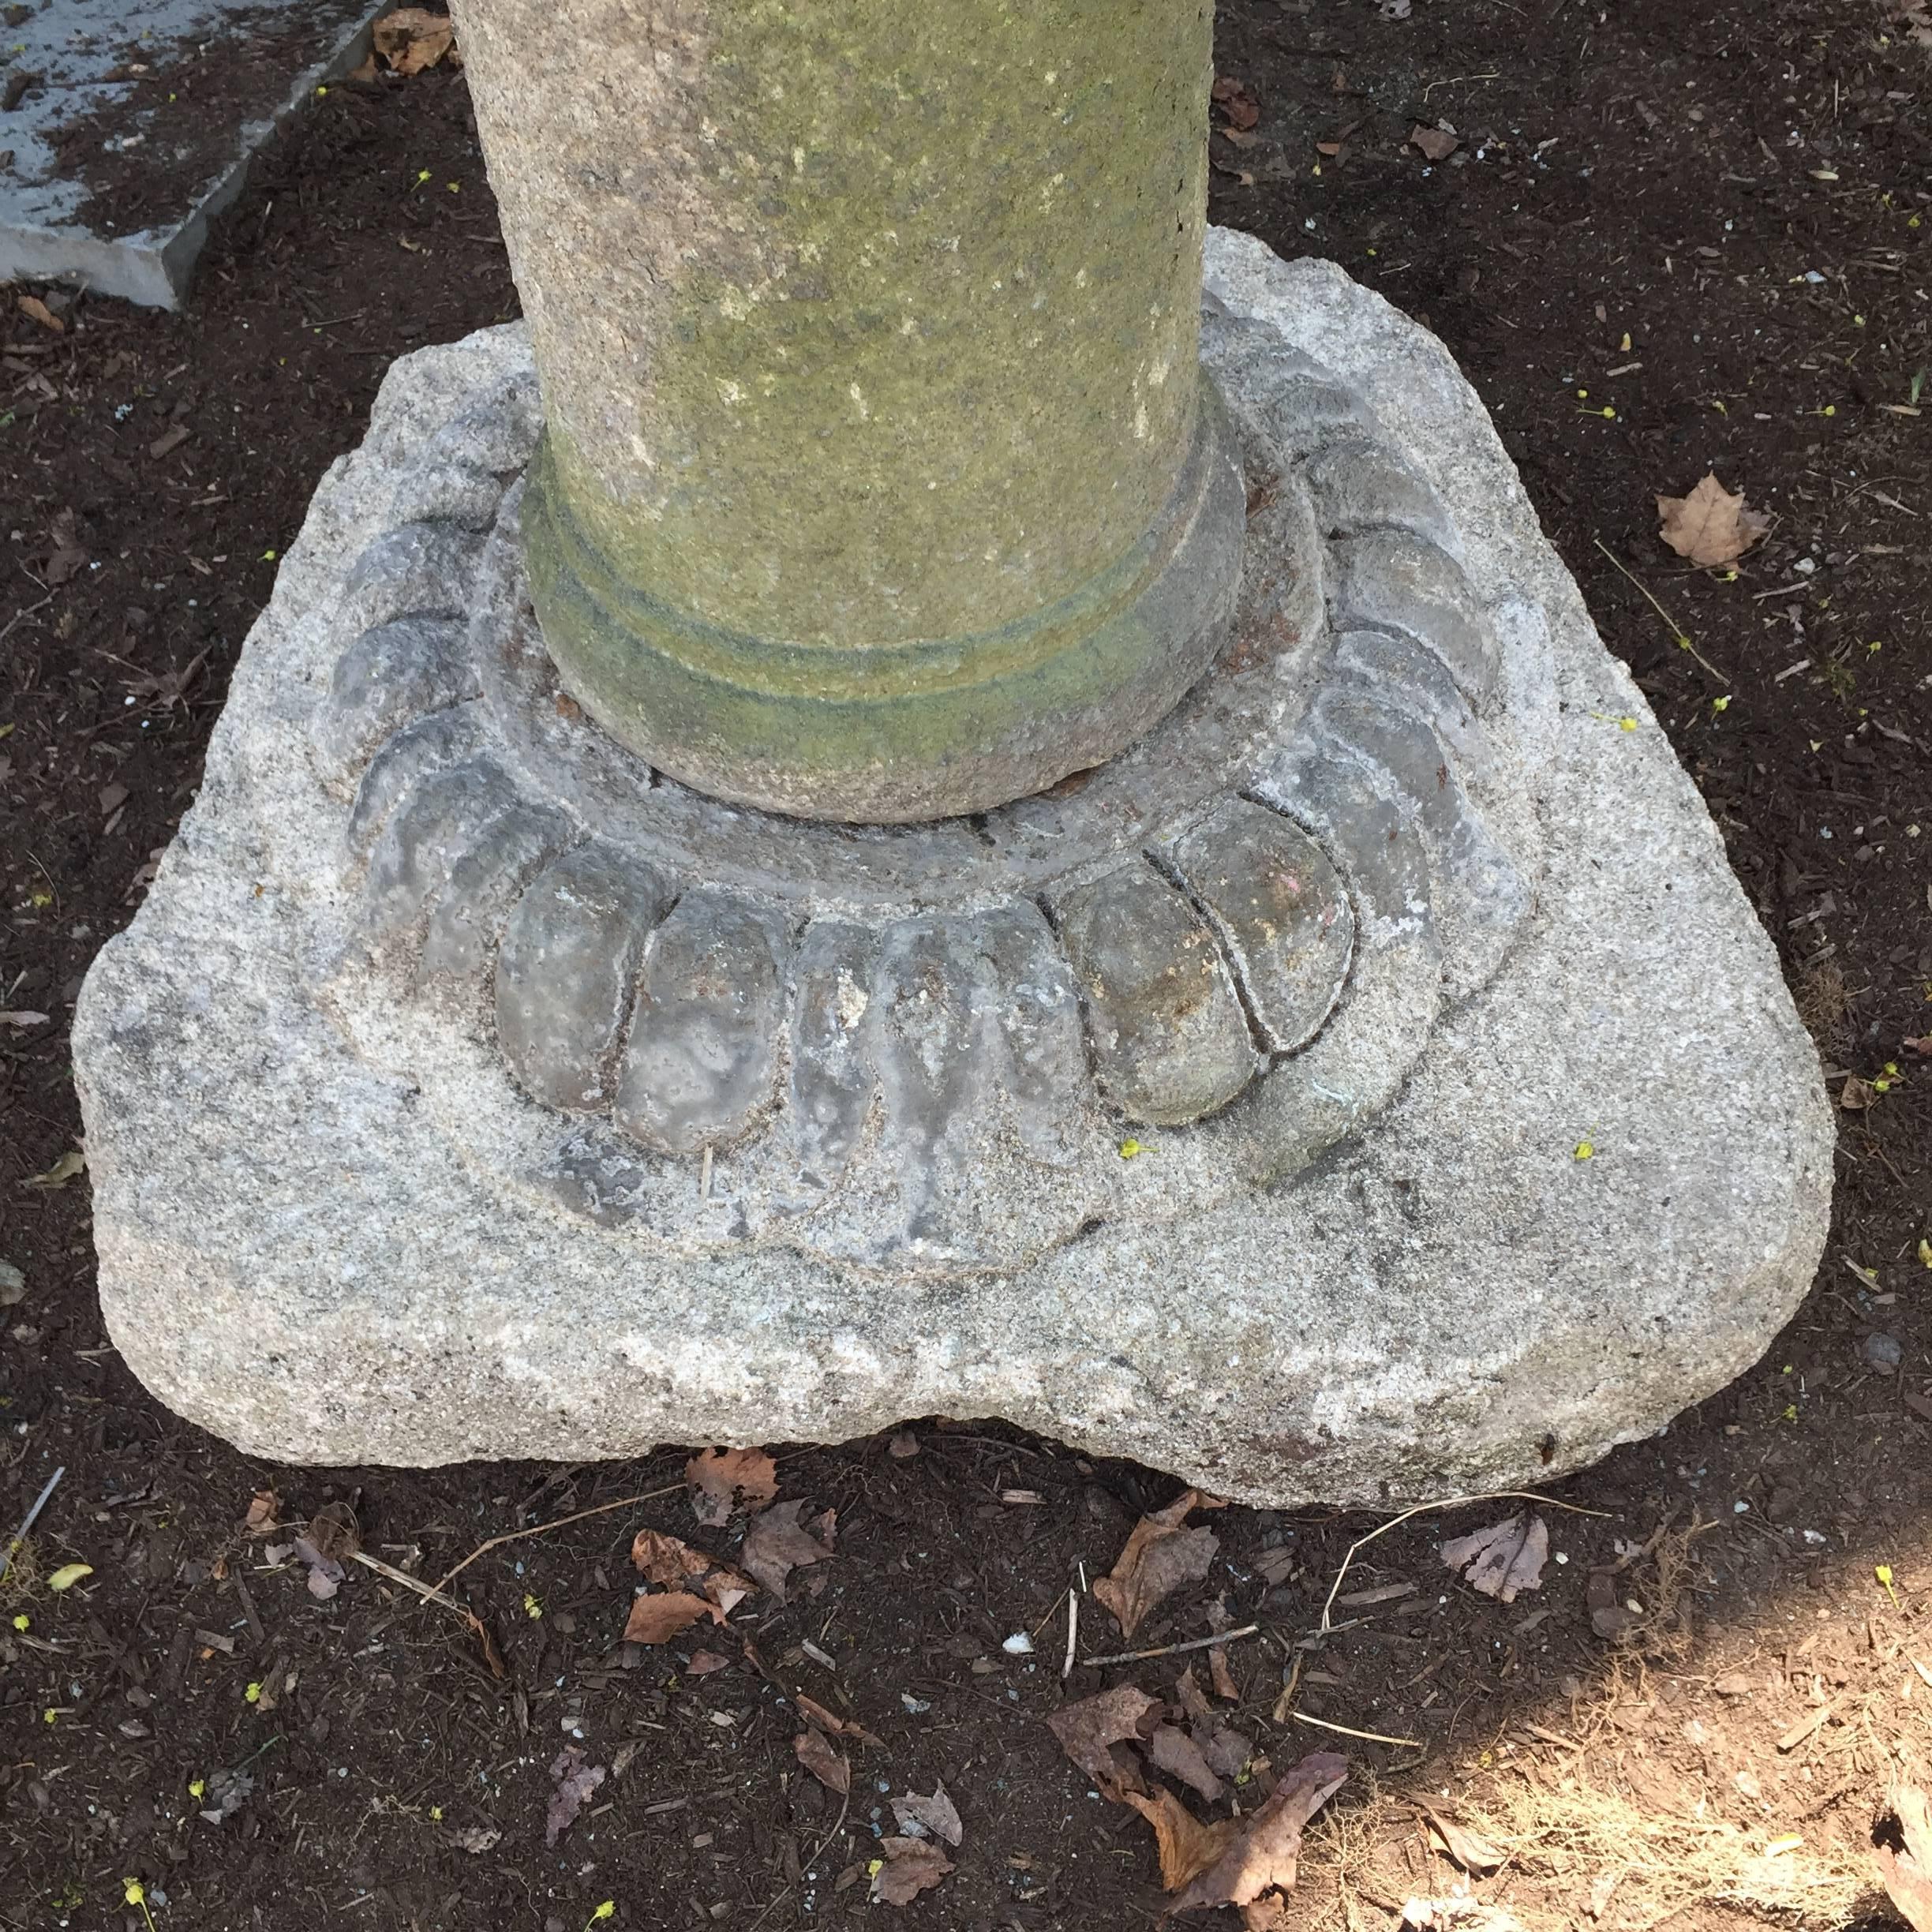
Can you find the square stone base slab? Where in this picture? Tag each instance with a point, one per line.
(75, 48)
(294, 1254)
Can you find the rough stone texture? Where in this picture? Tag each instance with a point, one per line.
(350, 1210)
(75, 48)
(875, 469)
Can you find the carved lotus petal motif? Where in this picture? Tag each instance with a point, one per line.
(930, 1040)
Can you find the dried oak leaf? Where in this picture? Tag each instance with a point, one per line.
(1161, 1556)
(1902, 1843)
(1185, 1847)
(1504, 1559)
(36, 310)
(1176, 1753)
(1086, 1729)
(1226, 1750)
(1219, 1673)
(907, 1867)
(1436, 144)
(937, 1814)
(1236, 103)
(723, 1479)
(1262, 1853)
(412, 39)
(829, 1722)
(777, 1543)
(658, 1617)
(1474, 1852)
(832, 1768)
(575, 1781)
(1710, 527)
(669, 1560)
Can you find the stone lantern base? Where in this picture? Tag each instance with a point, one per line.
(1372, 1085)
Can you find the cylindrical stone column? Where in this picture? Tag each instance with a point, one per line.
(879, 480)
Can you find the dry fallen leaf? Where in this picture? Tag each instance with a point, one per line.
(1087, 1728)
(670, 1560)
(726, 1478)
(1236, 103)
(1854, 1095)
(1185, 1847)
(1504, 1559)
(1710, 527)
(908, 1866)
(1262, 1854)
(1902, 1843)
(325, 1574)
(1174, 1751)
(814, 1713)
(63, 1170)
(704, 1662)
(658, 1617)
(575, 1781)
(1464, 1915)
(412, 39)
(261, 1513)
(36, 310)
(1437, 144)
(776, 1544)
(830, 1768)
(667, 1558)
(1226, 1749)
(1472, 1852)
(937, 1814)
(903, 1446)
(1161, 1556)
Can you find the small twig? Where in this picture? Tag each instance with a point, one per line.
(28, 612)
(27, 1522)
(1372, 1737)
(768, 1910)
(408, 1582)
(1680, 636)
(1174, 1649)
(837, 1824)
(512, 1535)
(1422, 1509)
(1066, 1669)
(1053, 1612)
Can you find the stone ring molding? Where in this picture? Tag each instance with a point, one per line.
(947, 1047)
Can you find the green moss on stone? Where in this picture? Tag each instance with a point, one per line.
(929, 365)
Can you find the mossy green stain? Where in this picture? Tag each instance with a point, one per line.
(931, 367)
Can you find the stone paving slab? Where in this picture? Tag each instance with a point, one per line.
(104, 64)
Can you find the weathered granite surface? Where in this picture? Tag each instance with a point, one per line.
(464, 1088)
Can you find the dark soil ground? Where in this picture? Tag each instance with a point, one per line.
(1710, 220)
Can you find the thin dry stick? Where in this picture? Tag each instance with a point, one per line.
(1422, 1509)
(1174, 1649)
(1680, 635)
(27, 1521)
(513, 1536)
(1372, 1737)
(837, 1823)
(408, 1582)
